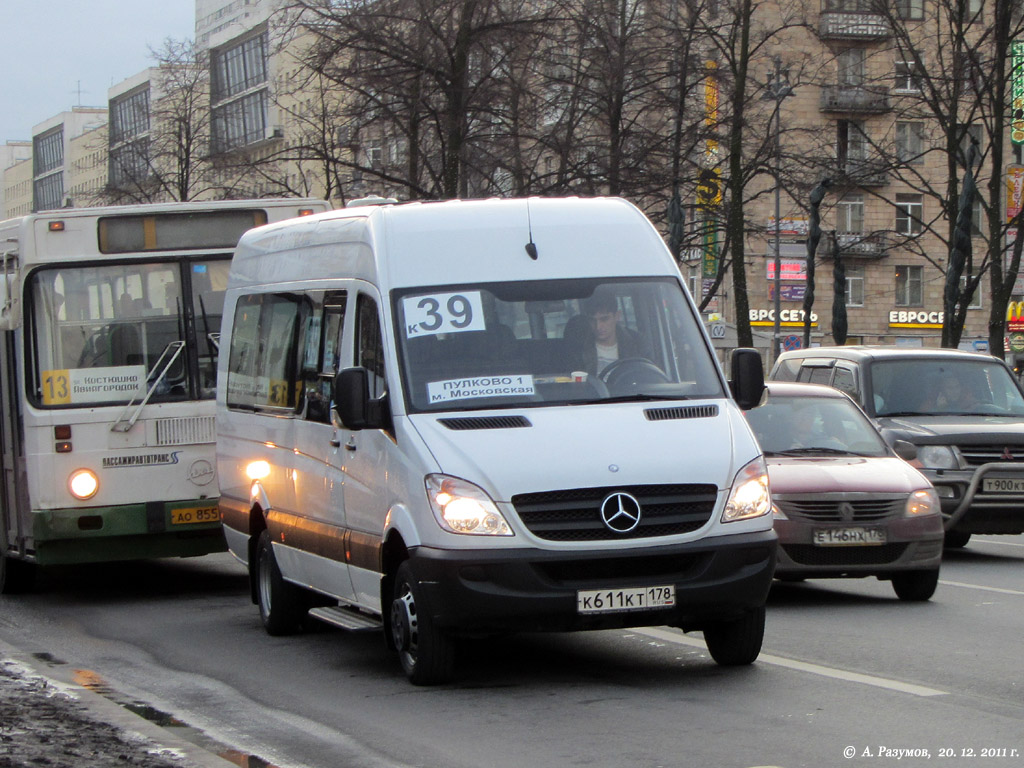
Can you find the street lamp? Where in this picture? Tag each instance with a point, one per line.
(777, 89)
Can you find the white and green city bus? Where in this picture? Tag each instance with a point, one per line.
(109, 330)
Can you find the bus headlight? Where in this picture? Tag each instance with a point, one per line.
(749, 495)
(83, 484)
(461, 507)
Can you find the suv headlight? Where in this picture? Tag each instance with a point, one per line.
(461, 507)
(749, 495)
(937, 457)
(924, 502)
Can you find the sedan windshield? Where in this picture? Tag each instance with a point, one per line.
(805, 426)
(514, 344)
(945, 387)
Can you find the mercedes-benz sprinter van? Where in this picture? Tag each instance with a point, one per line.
(461, 418)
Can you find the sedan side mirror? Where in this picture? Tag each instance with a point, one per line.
(905, 449)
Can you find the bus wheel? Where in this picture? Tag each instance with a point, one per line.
(16, 576)
(282, 606)
(426, 653)
(738, 642)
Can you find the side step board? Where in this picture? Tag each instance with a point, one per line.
(347, 618)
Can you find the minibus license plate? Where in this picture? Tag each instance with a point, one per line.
(1002, 485)
(849, 537)
(193, 515)
(631, 599)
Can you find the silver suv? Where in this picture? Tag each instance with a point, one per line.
(963, 410)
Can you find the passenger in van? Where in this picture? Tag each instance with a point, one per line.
(602, 339)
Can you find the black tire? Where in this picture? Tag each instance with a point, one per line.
(282, 605)
(916, 586)
(738, 642)
(16, 576)
(426, 653)
(956, 539)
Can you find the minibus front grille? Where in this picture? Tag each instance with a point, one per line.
(188, 430)
(575, 515)
(486, 422)
(682, 412)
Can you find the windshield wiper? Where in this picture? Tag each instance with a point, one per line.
(806, 451)
(124, 424)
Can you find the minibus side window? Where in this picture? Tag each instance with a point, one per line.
(321, 356)
(262, 358)
(370, 344)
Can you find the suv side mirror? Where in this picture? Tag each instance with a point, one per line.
(747, 383)
(905, 449)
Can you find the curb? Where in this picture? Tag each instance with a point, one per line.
(98, 707)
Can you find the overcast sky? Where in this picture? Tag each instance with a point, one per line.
(51, 48)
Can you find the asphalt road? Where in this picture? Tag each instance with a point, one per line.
(846, 668)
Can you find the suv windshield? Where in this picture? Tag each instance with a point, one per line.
(944, 387)
(506, 345)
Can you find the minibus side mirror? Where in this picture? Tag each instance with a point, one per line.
(747, 383)
(351, 395)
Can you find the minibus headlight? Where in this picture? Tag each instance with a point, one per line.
(461, 507)
(83, 484)
(749, 495)
(937, 457)
(923, 502)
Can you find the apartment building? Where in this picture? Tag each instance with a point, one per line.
(57, 145)
(11, 153)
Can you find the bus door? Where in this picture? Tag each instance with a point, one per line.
(12, 485)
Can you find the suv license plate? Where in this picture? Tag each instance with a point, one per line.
(849, 537)
(1002, 485)
(630, 599)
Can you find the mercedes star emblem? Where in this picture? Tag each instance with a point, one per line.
(620, 512)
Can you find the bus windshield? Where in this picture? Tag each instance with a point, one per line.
(516, 344)
(98, 332)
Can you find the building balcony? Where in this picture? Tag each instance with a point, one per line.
(846, 25)
(855, 98)
(863, 173)
(858, 245)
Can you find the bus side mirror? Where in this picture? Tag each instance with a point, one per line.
(352, 403)
(747, 383)
(10, 288)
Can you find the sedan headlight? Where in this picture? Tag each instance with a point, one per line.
(461, 507)
(925, 502)
(749, 495)
(937, 457)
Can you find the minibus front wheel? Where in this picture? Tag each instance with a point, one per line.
(737, 642)
(427, 654)
(281, 604)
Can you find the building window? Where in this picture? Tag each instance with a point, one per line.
(909, 286)
(129, 163)
(847, 6)
(129, 116)
(239, 94)
(48, 152)
(976, 298)
(909, 214)
(851, 146)
(910, 142)
(908, 77)
(911, 10)
(850, 215)
(855, 286)
(851, 66)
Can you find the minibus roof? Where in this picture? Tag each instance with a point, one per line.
(465, 241)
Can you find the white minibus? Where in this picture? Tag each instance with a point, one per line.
(462, 418)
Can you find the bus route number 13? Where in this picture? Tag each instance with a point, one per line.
(56, 388)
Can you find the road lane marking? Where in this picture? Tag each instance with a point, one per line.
(803, 666)
(983, 588)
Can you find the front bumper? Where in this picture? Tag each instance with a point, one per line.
(912, 544)
(968, 508)
(535, 590)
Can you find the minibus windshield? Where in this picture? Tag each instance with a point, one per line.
(527, 343)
